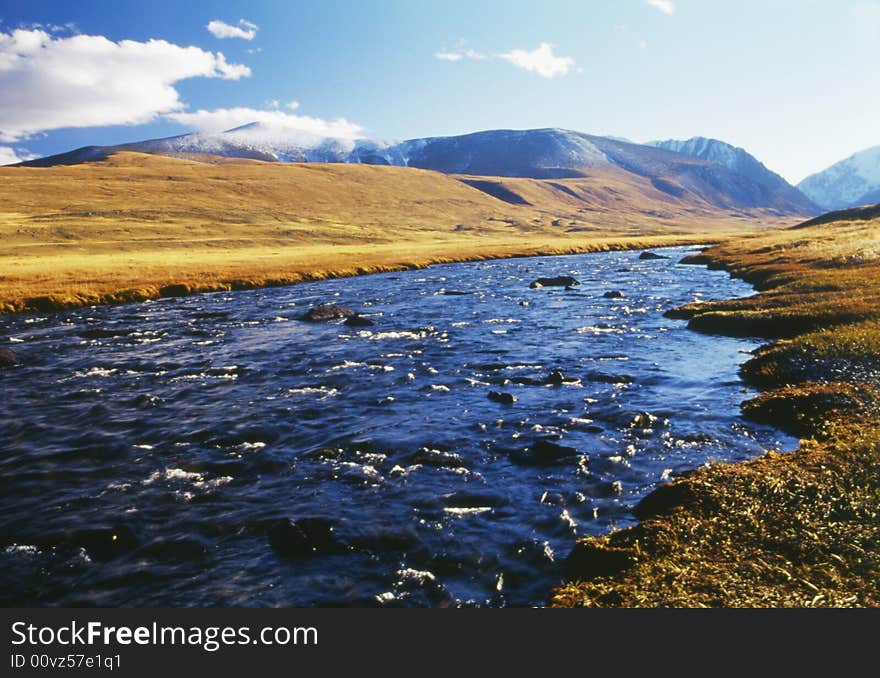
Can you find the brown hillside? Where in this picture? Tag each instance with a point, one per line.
(136, 222)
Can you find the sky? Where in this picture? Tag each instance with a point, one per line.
(794, 82)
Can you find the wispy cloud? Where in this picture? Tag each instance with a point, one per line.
(541, 61)
(245, 30)
(50, 82)
(222, 119)
(459, 54)
(665, 6)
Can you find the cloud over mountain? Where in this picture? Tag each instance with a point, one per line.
(51, 82)
(221, 119)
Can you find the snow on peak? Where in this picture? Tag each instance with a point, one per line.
(848, 183)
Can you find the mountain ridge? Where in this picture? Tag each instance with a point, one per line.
(851, 182)
(546, 153)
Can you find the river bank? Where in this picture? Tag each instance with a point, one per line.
(799, 529)
(66, 281)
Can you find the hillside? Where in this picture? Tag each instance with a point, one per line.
(537, 154)
(743, 163)
(132, 223)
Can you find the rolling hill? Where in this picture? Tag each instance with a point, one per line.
(535, 154)
(124, 227)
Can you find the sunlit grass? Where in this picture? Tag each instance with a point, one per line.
(123, 229)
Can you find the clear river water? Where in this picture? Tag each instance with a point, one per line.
(217, 450)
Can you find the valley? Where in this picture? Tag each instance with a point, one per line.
(127, 227)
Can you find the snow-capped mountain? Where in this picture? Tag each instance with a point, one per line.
(848, 183)
(539, 154)
(740, 161)
(260, 141)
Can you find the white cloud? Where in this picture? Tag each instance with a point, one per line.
(222, 119)
(51, 82)
(540, 60)
(643, 44)
(665, 6)
(244, 30)
(449, 56)
(292, 105)
(459, 54)
(8, 156)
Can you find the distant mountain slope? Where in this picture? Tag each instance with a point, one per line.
(537, 154)
(863, 213)
(743, 163)
(848, 183)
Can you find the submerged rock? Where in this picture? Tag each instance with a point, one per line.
(557, 378)
(614, 294)
(358, 321)
(303, 537)
(503, 398)
(468, 499)
(543, 453)
(643, 420)
(324, 312)
(8, 357)
(105, 543)
(698, 438)
(651, 256)
(558, 281)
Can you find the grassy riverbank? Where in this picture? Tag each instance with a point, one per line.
(797, 529)
(137, 227)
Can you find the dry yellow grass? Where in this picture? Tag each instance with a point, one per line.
(123, 229)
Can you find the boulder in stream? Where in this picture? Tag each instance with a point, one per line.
(558, 281)
(326, 312)
(8, 357)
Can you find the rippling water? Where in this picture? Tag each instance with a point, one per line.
(147, 451)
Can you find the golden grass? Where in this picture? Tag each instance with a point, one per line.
(124, 229)
(799, 529)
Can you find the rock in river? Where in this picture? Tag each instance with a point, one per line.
(651, 255)
(614, 294)
(543, 453)
(358, 321)
(503, 398)
(324, 312)
(557, 378)
(8, 357)
(558, 281)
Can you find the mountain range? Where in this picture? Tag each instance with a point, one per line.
(704, 171)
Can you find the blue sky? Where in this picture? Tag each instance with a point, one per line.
(795, 82)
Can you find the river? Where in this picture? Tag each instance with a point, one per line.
(149, 453)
